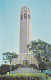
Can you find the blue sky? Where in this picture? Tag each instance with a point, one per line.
(10, 22)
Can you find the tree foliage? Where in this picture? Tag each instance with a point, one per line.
(8, 56)
(41, 50)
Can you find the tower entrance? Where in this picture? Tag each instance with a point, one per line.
(25, 62)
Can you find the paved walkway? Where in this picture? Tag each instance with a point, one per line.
(50, 78)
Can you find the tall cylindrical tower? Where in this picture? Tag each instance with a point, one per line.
(25, 29)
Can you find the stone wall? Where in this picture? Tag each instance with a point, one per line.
(25, 70)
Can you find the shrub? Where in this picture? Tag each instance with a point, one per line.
(25, 76)
(18, 65)
(42, 66)
(4, 69)
(16, 78)
(34, 66)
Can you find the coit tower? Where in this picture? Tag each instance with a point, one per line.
(25, 29)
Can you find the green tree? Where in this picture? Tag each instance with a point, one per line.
(8, 56)
(41, 50)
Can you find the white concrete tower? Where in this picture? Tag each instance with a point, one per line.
(25, 29)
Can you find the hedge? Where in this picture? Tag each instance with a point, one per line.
(25, 76)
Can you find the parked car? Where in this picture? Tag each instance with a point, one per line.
(48, 72)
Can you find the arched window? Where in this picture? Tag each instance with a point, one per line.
(21, 16)
(28, 16)
(25, 16)
(25, 9)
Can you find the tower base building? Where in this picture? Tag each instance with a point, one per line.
(25, 59)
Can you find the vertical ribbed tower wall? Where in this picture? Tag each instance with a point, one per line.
(25, 29)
